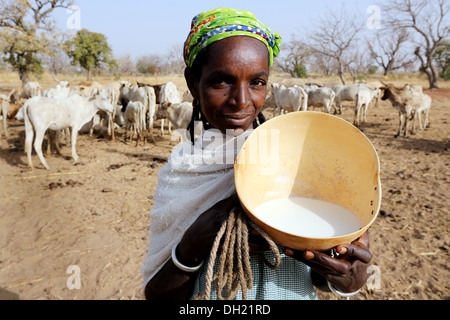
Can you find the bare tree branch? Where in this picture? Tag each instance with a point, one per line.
(333, 36)
(427, 18)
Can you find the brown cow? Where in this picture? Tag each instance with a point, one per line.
(406, 100)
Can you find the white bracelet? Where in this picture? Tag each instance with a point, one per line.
(341, 294)
(180, 265)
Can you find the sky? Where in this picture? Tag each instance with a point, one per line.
(140, 27)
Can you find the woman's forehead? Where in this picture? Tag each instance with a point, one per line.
(239, 49)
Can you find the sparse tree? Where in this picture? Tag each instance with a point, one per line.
(27, 33)
(322, 64)
(126, 65)
(442, 57)
(90, 50)
(387, 50)
(149, 64)
(358, 62)
(428, 20)
(296, 58)
(175, 59)
(57, 61)
(334, 36)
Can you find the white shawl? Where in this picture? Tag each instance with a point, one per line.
(194, 179)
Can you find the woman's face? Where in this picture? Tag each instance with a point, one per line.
(233, 84)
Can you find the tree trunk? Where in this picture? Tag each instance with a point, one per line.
(24, 76)
(341, 73)
(89, 74)
(434, 75)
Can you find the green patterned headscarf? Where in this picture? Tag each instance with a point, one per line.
(211, 26)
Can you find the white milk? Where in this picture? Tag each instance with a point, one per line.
(308, 217)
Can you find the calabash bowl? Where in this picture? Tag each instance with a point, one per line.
(312, 155)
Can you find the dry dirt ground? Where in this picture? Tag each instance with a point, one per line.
(93, 214)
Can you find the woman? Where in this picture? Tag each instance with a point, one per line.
(228, 55)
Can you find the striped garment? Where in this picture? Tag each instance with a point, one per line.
(292, 281)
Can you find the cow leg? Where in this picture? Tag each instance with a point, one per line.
(365, 112)
(355, 120)
(420, 120)
(5, 124)
(138, 138)
(405, 134)
(29, 134)
(425, 124)
(49, 143)
(57, 140)
(414, 122)
(162, 127)
(74, 143)
(150, 128)
(400, 125)
(91, 130)
(133, 132)
(328, 107)
(38, 147)
(113, 116)
(144, 137)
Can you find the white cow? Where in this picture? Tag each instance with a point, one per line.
(134, 116)
(146, 95)
(319, 97)
(289, 99)
(169, 95)
(63, 84)
(86, 88)
(187, 96)
(30, 90)
(58, 92)
(424, 108)
(110, 95)
(363, 99)
(42, 113)
(179, 114)
(346, 93)
(4, 113)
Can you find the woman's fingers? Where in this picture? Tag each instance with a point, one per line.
(355, 251)
(319, 262)
(338, 265)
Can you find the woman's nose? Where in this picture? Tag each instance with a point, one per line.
(241, 96)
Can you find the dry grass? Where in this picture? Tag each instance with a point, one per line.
(10, 80)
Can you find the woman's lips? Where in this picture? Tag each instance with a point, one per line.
(237, 119)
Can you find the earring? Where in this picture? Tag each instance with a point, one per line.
(196, 103)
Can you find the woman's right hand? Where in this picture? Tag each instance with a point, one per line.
(198, 240)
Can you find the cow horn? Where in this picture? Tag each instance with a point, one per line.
(54, 78)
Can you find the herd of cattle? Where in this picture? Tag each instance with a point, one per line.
(135, 107)
(409, 101)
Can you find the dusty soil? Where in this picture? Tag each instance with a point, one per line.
(93, 214)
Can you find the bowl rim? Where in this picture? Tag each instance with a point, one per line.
(355, 234)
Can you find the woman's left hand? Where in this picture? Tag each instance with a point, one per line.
(348, 271)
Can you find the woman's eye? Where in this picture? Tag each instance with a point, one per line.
(259, 82)
(219, 82)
